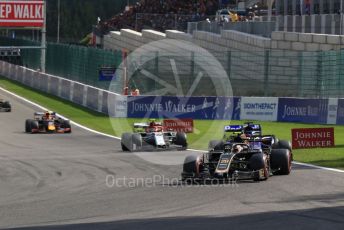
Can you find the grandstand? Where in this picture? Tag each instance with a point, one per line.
(161, 15)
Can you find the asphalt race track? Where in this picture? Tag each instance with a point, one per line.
(59, 182)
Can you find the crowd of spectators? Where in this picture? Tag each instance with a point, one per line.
(161, 15)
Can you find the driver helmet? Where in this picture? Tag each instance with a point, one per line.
(248, 129)
(237, 148)
(47, 115)
(241, 138)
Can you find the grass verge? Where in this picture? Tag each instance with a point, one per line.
(205, 130)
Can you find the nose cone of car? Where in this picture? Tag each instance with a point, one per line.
(51, 128)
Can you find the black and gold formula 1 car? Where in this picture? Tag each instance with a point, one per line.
(240, 156)
(47, 122)
(5, 106)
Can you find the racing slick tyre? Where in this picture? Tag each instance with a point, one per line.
(66, 125)
(281, 161)
(33, 125)
(189, 168)
(6, 105)
(28, 126)
(282, 144)
(257, 161)
(257, 164)
(263, 173)
(136, 140)
(181, 140)
(215, 145)
(126, 142)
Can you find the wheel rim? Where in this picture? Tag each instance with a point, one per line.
(267, 169)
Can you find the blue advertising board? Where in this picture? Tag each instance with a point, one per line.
(107, 74)
(340, 112)
(205, 108)
(303, 110)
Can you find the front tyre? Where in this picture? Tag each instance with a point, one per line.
(281, 161)
(7, 106)
(28, 126)
(136, 141)
(189, 168)
(126, 142)
(66, 125)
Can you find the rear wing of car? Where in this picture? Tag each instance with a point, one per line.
(252, 129)
(233, 128)
(140, 127)
(39, 115)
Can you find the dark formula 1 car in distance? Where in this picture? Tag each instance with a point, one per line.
(244, 153)
(152, 136)
(5, 106)
(47, 122)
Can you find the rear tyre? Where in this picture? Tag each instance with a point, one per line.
(282, 144)
(215, 145)
(126, 142)
(181, 140)
(281, 161)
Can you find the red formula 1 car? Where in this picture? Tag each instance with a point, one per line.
(47, 122)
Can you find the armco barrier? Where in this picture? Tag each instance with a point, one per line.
(65, 88)
(54, 89)
(90, 97)
(317, 111)
(78, 93)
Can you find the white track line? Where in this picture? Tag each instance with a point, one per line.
(117, 138)
(43, 108)
(318, 167)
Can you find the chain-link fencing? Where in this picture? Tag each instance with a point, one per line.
(73, 62)
(267, 73)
